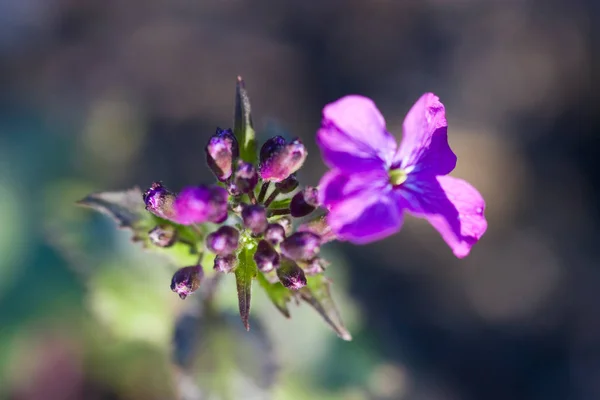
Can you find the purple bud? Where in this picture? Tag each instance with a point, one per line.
(287, 185)
(319, 226)
(187, 280)
(245, 177)
(279, 160)
(225, 264)
(221, 150)
(159, 201)
(255, 218)
(286, 222)
(275, 234)
(316, 266)
(163, 235)
(301, 246)
(233, 189)
(196, 205)
(266, 257)
(223, 241)
(304, 202)
(291, 275)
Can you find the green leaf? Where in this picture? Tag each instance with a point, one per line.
(245, 271)
(277, 293)
(128, 210)
(242, 127)
(317, 294)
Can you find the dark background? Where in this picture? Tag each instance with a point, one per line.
(105, 95)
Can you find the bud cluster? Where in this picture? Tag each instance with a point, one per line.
(246, 196)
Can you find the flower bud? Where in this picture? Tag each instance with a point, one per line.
(255, 218)
(304, 202)
(225, 264)
(286, 222)
(291, 275)
(163, 235)
(196, 205)
(301, 246)
(160, 201)
(287, 185)
(266, 257)
(222, 149)
(245, 177)
(319, 226)
(233, 189)
(279, 160)
(315, 266)
(275, 234)
(187, 280)
(223, 241)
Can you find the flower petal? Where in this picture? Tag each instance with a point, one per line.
(451, 205)
(353, 136)
(424, 145)
(362, 208)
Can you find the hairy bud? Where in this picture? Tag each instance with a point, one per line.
(163, 235)
(223, 241)
(287, 185)
(187, 280)
(279, 159)
(222, 149)
(291, 275)
(245, 177)
(199, 204)
(301, 246)
(304, 202)
(225, 264)
(266, 257)
(160, 201)
(275, 234)
(255, 218)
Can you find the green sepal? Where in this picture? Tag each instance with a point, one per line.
(317, 294)
(242, 126)
(277, 293)
(245, 271)
(128, 210)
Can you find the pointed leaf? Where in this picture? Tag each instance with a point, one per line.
(128, 210)
(244, 273)
(317, 294)
(242, 126)
(277, 293)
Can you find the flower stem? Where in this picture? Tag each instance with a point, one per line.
(279, 211)
(271, 197)
(252, 197)
(263, 191)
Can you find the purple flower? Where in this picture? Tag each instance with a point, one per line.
(372, 180)
(199, 204)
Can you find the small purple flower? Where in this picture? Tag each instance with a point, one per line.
(199, 204)
(372, 180)
(279, 159)
(222, 149)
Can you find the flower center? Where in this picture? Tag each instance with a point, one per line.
(397, 176)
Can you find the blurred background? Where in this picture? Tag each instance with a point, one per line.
(106, 95)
